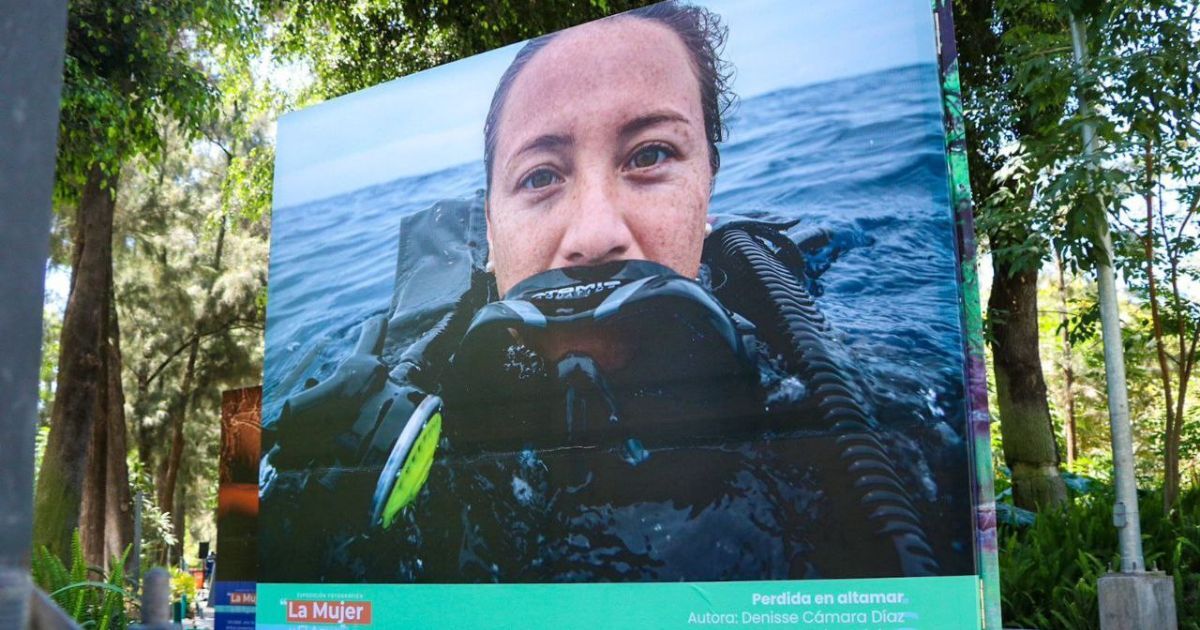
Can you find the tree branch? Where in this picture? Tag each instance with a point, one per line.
(236, 323)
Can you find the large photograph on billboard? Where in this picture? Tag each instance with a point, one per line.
(670, 296)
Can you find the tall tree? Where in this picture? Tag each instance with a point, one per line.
(1140, 80)
(191, 273)
(1145, 76)
(1003, 112)
(1070, 421)
(129, 63)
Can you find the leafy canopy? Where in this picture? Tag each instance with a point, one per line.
(130, 64)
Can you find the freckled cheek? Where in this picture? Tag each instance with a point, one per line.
(672, 225)
(523, 247)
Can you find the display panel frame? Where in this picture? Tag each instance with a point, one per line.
(977, 427)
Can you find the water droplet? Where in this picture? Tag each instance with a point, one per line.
(528, 459)
(635, 453)
(931, 401)
(521, 491)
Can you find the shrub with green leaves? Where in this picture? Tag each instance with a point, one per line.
(100, 603)
(183, 584)
(1049, 567)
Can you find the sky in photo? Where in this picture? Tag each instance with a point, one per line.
(432, 120)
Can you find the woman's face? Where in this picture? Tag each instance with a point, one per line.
(600, 155)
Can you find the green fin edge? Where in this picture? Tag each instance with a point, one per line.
(415, 471)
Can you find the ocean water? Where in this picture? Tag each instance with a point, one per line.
(862, 157)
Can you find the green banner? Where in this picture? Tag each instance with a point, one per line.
(934, 602)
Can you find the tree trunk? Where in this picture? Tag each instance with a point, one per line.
(170, 472)
(92, 503)
(91, 506)
(1184, 363)
(170, 467)
(1164, 370)
(180, 522)
(1187, 360)
(81, 376)
(1028, 434)
(118, 504)
(106, 525)
(1174, 400)
(1069, 431)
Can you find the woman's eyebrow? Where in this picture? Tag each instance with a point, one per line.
(545, 142)
(651, 119)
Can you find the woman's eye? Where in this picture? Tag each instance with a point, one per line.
(540, 178)
(650, 156)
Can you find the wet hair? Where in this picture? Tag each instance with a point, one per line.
(702, 34)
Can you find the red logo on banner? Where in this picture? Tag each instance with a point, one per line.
(349, 613)
(243, 599)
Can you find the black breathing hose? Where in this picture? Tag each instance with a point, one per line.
(789, 321)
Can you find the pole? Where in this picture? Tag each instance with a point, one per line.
(1125, 511)
(137, 540)
(31, 76)
(1134, 598)
(156, 602)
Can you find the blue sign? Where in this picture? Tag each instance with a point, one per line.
(233, 603)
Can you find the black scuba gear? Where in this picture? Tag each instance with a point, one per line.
(640, 304)
(315, 418)
(502, 396)
(769, 294)
(790, 322)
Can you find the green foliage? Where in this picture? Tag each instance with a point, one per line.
(1049, 568)
(1028, 101)
(130, 65)
(1086, 360)
(248, 179)
(39, 450)
(1190, 447)
(101, 603)
(137, 74)
(173, 289)
(166, 99)
(1005, 106)
(48, 374)
(353, 45)
(47, 379)
(183, 584)
(1024, 99)
(157, 532)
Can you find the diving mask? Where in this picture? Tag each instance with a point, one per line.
(584, 355)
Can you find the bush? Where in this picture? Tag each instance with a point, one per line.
(183, 584)
(100, 603)
(1049, 567)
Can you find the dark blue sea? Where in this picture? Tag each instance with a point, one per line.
(863, 157)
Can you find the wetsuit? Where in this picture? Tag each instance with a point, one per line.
(735, 449)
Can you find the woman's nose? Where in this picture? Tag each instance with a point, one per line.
(597, 232)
